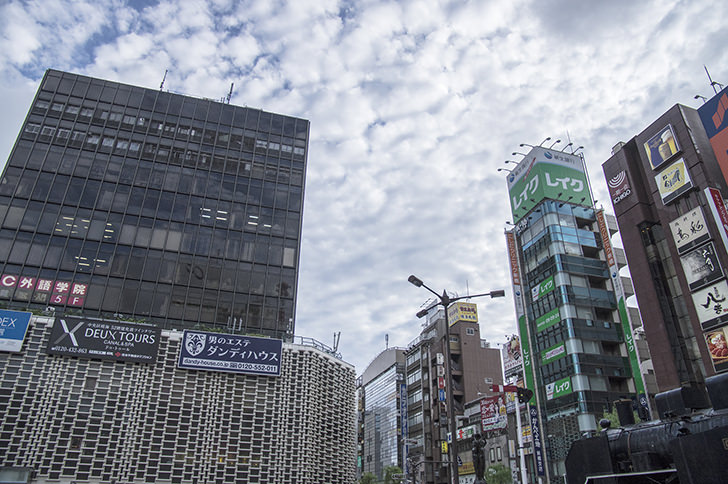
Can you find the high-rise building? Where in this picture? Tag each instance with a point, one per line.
(668, 191)
(121, 201)
(574, 329)
(381, 391)
(475, 367)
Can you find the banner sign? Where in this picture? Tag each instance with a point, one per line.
(105, 340)
(717, 341)
(543, 288)
(559, 388)
(544, 173)
(711, 305)
(553, 353)
(719, 211)
(462, 311)
(493, 414)
(713, 114)
(701, 267)
(13, 326)
(673, 181)
(236, 353)
(537, 446)
(42, 291)
(511, 353)
(661, 147)
(689, 230)
(634, 358)
(549, 319)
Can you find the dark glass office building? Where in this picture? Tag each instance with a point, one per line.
(121, 201)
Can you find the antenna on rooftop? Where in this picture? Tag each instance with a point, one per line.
(337, 337)
(161, 86)
(230, 94)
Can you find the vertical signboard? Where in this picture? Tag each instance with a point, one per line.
(520, 311)
(537, 446)
(403, 419)
(544, 173)
(714, 116)
(711, 305)
(13, 326)
(689, 230)
(701, 266)
(493, 414)
(719, 211)
(634, 359)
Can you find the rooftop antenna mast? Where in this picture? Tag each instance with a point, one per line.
(161, 86)
(337, 337)
(230, 94)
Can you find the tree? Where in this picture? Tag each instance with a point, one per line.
(389, 472)
(368, 478)
(498, 474)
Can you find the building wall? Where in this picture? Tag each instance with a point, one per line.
(179, 211)
(675, 338)
(75, 419)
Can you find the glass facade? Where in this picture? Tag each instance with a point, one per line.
(120, 201)
(381, 423)
(576, 334)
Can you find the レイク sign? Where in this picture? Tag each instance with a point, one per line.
(559, 388)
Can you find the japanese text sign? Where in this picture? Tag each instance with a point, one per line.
(13, 326)
(230, 352)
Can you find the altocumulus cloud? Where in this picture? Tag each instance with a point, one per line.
(413, 106)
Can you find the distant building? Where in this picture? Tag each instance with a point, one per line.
(67, 418)
(668, 192)
(476, 366)
(381, 390)
(574, 329)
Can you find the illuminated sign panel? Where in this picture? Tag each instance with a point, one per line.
(462, 311)
(689, 230)
(544, 173)
(661, 147)
(673, 181)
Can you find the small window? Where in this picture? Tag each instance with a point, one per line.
(470, 331)
(86, 113)
(607, 324)
(57, 107)
(32, 128)
(73, 110)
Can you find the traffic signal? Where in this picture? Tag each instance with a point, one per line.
(524, 394)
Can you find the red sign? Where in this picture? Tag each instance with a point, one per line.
(511, 241)
(45, 291)
(503, 388)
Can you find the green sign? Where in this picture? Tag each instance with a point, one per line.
(547, 174)
(544, 287)
(526, 352)
(547, 320)
(553, 353)
(559, 388)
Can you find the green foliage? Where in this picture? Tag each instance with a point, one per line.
(498, 474)
(390, 471)
(614, 418)
(368, 478)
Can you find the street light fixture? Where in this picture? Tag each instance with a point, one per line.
(445, 300)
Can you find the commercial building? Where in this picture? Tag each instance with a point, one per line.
(79, 419)
(382, 413)
(574, 329)
(174, 210)
(476, 366)
(668, 191)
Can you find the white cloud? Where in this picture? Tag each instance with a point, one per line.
(413, 106)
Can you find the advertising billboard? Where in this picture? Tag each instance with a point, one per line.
(661, 147)
(717, 341)
(511, 353)
(673, 181)
(714, 116)
(553, 353)
(689, 230)
(719, 211)
(13, 326)
(105, 340)
(236, 353)
(462, 311)
(711, 305)
(701, 266)
(544, 173)
(559, 388)
(493, 415)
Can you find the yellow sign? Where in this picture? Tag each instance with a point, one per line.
(444, 447)
(466, 468)
(673, 181)
(462, 311)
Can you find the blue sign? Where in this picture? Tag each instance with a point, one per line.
(442, 395)
(536, 434)
(13, 326)
(230, 352)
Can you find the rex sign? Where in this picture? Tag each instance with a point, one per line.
(544, 173)
(559, 388)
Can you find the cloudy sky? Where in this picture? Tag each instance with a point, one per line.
(413, 107)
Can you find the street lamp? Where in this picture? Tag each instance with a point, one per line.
(445, 300)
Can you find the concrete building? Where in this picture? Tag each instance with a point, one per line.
(381, 392)
(667, 189)
(74, 419)
(574, 329)
(476, 366)
(174, 210)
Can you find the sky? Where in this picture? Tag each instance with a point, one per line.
(413, 105)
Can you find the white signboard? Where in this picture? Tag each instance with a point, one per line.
(689, 230)
(711, 304)
(701, 267)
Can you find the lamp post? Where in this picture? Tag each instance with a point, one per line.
(445, 300)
